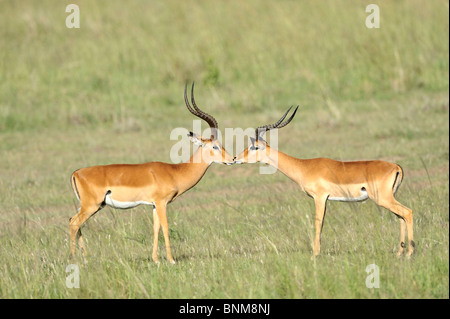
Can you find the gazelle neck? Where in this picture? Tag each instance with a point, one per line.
(192, 171)
(284, 163)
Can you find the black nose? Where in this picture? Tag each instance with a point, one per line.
(234, 158)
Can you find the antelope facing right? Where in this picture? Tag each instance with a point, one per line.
(155, 184)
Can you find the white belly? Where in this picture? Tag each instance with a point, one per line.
(124, 205)
(360, 198)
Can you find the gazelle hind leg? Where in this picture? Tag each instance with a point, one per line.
(75, 224)
(402, 236)
(81, 243)
(406, 216)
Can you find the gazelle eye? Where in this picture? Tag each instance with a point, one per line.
(254, 148)
(216, 147)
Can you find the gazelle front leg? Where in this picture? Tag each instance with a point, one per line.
(162, 219)
(320, 203)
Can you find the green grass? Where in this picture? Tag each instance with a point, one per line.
(112, 91)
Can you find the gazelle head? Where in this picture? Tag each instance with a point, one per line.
(259, 150)
(211, 149)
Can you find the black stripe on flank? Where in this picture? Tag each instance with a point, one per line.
(76, 188)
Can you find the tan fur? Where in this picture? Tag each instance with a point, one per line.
(154, 182)
(323, 178)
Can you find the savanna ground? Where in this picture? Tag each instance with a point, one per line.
(112, 91)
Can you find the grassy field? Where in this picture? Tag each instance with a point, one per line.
(112, 91)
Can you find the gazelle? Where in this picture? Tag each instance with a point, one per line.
(157, 184)
(326, 179)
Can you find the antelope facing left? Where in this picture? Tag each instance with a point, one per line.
(325, 179)
(156, 184)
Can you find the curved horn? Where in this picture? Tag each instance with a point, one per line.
(277, 124)
(187, 102)
(199, 113)
(208, 118)
(289, 120)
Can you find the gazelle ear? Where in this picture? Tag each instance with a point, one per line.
(195, 139)
(252, 139)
